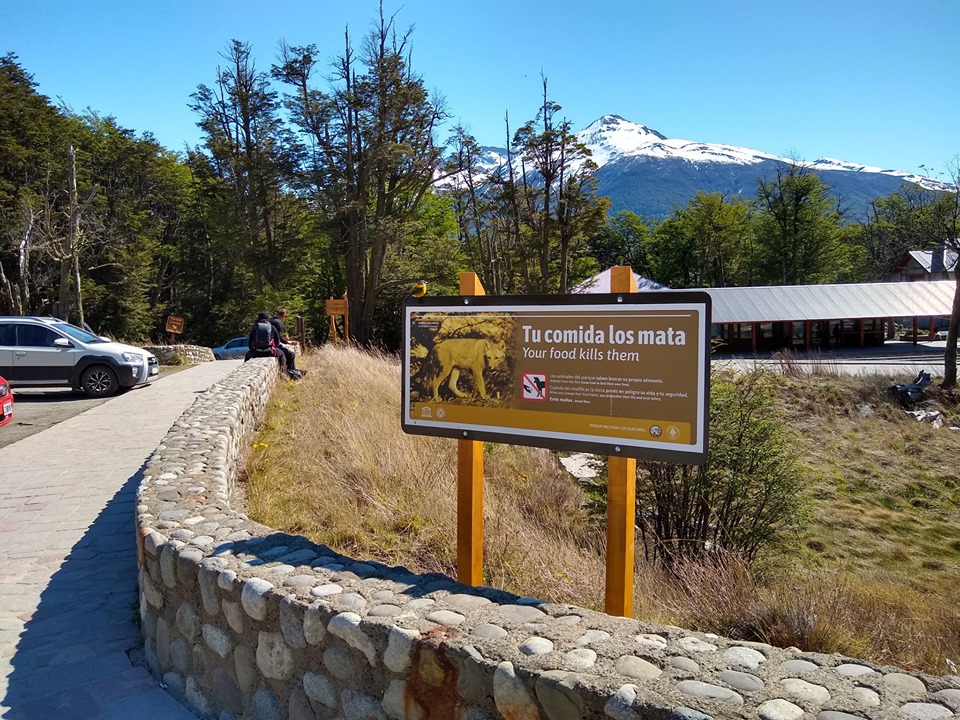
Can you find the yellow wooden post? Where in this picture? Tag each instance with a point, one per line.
(470, 486)
(621, 502)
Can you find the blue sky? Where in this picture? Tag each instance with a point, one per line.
(868, 81)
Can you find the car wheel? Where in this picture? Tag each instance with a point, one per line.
(99, 381)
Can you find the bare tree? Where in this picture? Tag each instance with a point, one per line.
(68, 250)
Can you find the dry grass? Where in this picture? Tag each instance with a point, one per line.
(865, 615)
(338, 469)
(885, 488)
(788, 363)
(874, 576)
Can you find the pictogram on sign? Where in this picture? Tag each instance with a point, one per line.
(534, 386)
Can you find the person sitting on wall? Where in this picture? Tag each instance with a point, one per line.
(285, 347)
(265, 341)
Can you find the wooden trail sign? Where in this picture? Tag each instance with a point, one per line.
(339, 307)
(174, 327)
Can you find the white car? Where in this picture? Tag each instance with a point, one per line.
(49, 352)
(234, 349)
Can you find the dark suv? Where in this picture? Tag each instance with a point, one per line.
(46, 351)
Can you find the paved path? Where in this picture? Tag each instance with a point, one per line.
(68, 567)
(901, 360)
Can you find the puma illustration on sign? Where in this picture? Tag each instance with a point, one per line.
(473, 354)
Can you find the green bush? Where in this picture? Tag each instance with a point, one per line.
(746, 497)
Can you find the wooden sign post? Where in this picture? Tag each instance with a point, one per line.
(470, 485)
(339, 306)
(622, 374)
(621, 502)
(174, 327)
(301, 331)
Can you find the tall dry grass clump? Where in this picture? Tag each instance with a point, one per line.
(788, 362)
(332, 463)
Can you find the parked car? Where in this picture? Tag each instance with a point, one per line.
(232, 349)
(6, 402)
(49, 352)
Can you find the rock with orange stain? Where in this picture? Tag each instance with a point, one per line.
(511, 696)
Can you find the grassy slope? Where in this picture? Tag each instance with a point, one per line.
(873, 575)
(885, 488)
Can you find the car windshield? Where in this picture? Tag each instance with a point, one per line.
(78, 333)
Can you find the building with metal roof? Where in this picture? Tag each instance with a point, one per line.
(808, 316)
(802, 317)
(924, 265)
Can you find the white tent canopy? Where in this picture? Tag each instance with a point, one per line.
(601, 284)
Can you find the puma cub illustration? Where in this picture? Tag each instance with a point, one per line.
(473, 354)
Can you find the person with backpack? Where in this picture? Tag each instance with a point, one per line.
(265, 341)
(285, 347)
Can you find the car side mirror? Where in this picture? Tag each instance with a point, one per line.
(62, 342)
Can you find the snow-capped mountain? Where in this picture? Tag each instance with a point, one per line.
(643, 170)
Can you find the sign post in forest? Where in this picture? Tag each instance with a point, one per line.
(335, 307)
(174, 327)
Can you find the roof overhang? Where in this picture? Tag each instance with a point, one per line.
(784, 303)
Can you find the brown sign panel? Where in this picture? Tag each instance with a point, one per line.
(336, 307)
(174, 324)
(617, 374)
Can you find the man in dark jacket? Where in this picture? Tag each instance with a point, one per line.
(287, 350)
(265, 341)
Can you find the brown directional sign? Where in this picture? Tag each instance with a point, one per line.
(621, 374)
(336, 307)
(174, 324)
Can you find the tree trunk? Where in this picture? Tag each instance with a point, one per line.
(23, 261)
(66, 257)
(9, 304)
(950, 353)
(77, 299)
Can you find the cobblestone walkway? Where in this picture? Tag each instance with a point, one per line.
(68, 567)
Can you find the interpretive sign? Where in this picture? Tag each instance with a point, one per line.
(617, 374)
(336, 306)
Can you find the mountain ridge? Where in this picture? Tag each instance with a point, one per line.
(642, 170)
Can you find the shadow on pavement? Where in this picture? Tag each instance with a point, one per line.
(71, 657)
(47, 396)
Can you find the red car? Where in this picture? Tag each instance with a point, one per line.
(6, 402)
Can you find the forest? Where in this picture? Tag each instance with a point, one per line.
(316, 181)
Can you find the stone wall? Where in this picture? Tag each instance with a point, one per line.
(242, 621)
(192, 354)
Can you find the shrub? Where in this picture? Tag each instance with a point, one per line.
(745, 498)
